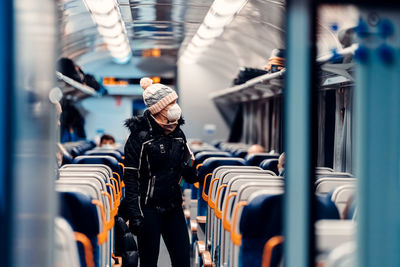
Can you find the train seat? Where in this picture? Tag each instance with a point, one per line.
(324, 169)
(325, 174)
(111, 162)
(216, 190)
(261, 220)
(343, 255)
(326, 184)
(93, 188)
(256, 159)
(270, 164)
(245, 187)
(240, 153)
(82, 215)
(271, 250)
(104, 169)
(202, 156)
(205, 175)
(78, 148)
(66, 249)
(105, 152)
(341, 196)
(331, 234)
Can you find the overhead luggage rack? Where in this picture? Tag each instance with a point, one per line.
(263, 86)
(74, 89)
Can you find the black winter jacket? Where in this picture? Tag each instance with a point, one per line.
(154, 165)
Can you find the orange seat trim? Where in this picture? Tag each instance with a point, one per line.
(115, 197)
(210, 202)
(225, 223)
(107, 225)
(123, 167)
(235, 236)
(205, 197)
(118, 191)
(269, 248)
(87, 248)
(218, 212)
(113, 208)
(198, 166)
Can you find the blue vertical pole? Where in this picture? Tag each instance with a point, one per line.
(298, 102)
(6, 87)
(378, 138)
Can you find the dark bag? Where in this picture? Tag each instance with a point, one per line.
(125, 244)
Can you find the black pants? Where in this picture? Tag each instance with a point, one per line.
(172, 226)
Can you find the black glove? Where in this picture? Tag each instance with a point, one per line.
(136, 225)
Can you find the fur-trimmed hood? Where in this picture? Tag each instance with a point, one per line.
(137, 123)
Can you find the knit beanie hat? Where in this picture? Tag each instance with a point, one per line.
(156, 96)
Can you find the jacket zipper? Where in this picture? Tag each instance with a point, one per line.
(150, 181)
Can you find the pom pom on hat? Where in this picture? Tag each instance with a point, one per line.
(145, 82)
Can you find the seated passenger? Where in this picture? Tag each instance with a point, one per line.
(156, 157)
(254, 149)
(281, 164)
(107, 141)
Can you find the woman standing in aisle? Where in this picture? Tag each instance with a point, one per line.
(156, 158)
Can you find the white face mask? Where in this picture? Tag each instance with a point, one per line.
(174, 113)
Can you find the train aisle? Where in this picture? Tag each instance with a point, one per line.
(163, 257)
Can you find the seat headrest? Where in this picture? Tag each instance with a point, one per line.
(270, 164)
(106, 160)
(104, 152)
(262, 217)
(213, 162)
(202, 156)
(326, 209)
(255, 159)
(79, 211)
(240, 153)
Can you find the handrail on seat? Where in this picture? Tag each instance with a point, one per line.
(218, 212)
(114, 194)
(268, 249)
(210, 202)
(235, 236)
(107, 225)
(87, 247)
(205, 197)
(225, 223)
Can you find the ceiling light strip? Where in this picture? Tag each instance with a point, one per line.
(107, 16)
(220, 14)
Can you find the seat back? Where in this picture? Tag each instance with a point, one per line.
(343, 255)
(105, 152)
(105, 160)
(205, 173)
(327, 184)
(221, 172)
(341, 196)
(260, 220)
(82, 215)
(256, 159)
(92, 187)
(65, 249)
(202, 156)
(323, 169)
(270, 164)
(326, 174)
(332, 233)
(240, 153)
(242, 199)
